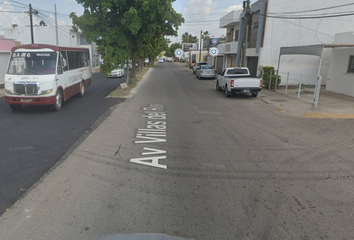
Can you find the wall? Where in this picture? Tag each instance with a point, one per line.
(5, 48)
(339, 80)
(6, 44)
(287, 32)
(4, 59)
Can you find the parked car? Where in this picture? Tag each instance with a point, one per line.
(206, 71)
(238, 80)
(197, 65)
(169, 59)
(161, 60)
(192, 64)
(117, 72)
(130, 65)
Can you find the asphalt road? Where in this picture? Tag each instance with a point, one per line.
(215, 168)
(34, 139)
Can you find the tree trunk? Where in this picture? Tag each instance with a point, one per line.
(127, 80)
(139, 65)
(133, 67)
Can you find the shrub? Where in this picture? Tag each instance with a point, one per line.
(266, 77)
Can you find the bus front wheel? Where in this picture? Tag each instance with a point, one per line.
(58, 101)
(82, 89)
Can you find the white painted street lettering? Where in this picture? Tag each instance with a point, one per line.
(154, 132)
(150, 161)
(153, 151)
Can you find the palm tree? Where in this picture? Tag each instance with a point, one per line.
(188, 38)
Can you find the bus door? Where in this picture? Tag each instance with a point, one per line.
(62, 68)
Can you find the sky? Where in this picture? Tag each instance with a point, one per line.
(200, 15)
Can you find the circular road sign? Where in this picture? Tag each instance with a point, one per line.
(213, 52)
(178, 52)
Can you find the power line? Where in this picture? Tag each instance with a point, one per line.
(330, 15)
(11, 11)
(52, 24)
(17, 3)
(315, 10)
(7, 4)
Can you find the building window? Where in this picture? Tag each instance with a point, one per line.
(351, 64)
(236, 35)
(255, 25)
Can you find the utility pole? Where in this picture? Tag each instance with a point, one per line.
(200, 46)
(56, 24)
(247, 13)
(31, 21)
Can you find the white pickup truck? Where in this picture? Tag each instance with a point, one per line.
(238, 80)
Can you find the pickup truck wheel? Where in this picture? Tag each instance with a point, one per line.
(218, 88)
(254, 94)
(227, 93)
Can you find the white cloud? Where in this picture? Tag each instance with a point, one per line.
(7, 17)
(234, 7)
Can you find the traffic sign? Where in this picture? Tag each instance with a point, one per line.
(178, 53)
(213, 52)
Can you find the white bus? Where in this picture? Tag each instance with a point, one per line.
(40, 74)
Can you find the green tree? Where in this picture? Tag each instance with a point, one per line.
(188, 38)
(222, 38)
(126, 29)
(205, 35)
(170, 52)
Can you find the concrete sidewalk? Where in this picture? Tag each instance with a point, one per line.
(330, 105)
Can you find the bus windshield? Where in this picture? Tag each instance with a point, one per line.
(32, 63)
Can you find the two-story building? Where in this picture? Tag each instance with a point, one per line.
(273, 24)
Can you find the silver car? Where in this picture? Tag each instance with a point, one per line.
(205, 71)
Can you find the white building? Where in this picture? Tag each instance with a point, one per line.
(271, 26)
(341, 69)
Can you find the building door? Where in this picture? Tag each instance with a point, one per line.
(252, 64)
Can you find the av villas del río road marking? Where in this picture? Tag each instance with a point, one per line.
(154, 132)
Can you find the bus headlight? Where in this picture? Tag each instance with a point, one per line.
(46, 92)
(8, 91)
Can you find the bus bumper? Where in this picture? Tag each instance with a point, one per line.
(30, 100)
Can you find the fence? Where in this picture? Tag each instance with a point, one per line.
(302, 86)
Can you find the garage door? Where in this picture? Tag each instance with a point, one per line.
(4, 58)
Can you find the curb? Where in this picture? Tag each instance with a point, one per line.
(141, 83)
